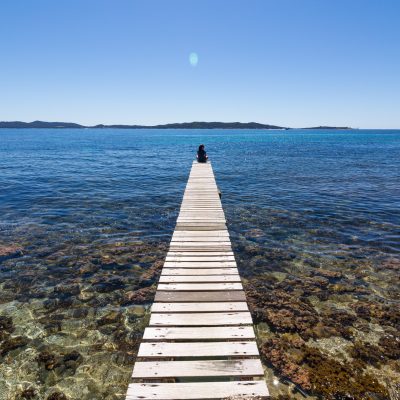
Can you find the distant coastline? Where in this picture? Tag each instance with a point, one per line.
(183, 125)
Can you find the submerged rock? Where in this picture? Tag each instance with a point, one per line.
(140, 296)
(333, 380)
(276, 352)
(62, 364)
(318, 374)
(29, 393)
(281, 310)
(6, 327)
(13, 343)
(390, 344)
(57, 396)
(10, 251)
(47, 359)
(111, 318)
(367, 352)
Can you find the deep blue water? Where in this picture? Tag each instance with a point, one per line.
(89, 179)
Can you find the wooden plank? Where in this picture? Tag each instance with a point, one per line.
(206, 234)
(226, 255)
(199, 264)
(200, 203)
(198, 271)
(173, 296)
(201, 219)
(197, 349)
(201, 368)
(202, 214)
(204, 217)
(210, 244)
(200, 249)
(198, 238)
(211, 260)
(199, 278)
(199, 333)
(199, 307)
(202, 194)
(198, 390)
(199, 228)
(200, 286)
(204, 250)
(214, 203)
(194, 211)
(201, 319)
(200, 225)
(197, 253)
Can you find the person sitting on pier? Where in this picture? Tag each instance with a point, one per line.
(201, 154)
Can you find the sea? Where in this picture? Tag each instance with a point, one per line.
(87, 215)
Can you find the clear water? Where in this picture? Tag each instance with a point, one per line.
(93, 210)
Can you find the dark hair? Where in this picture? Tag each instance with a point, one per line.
(201, 147)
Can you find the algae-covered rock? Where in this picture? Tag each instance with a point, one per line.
(112, 317)
(9, 251)
(57, 396)
(12, 343)
(141, 296)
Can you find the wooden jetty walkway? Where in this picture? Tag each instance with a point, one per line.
(200, 341)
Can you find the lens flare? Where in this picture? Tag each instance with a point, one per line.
(193, 59)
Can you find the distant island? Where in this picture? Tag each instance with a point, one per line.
(329, 127)
(183, 125)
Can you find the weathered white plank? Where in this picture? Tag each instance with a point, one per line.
(199, 333)
(222, 295)
(199, 307)
(196, 233)
(200, 239)
(198, 271)
(197, 349)
(218, 254)
(187, 260)
(203, 217)
(199, 278)
(210, 244)
(226, 255)
(201, 319)
(198, 390)
(202, 252)
(184, 226)
(200, 286)
(200, 204)
(210, 368)
(200, 218)
(199, 248)
(199, 264)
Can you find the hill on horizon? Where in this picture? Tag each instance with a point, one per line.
(179, 125)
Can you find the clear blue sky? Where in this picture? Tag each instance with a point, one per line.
(294, 63)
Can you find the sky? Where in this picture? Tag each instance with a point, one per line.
(291, 63)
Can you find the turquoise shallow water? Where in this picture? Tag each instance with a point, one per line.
(90, 212)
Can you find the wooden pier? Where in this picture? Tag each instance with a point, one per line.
(200, 342)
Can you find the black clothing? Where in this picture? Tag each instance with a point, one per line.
(201, 156)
